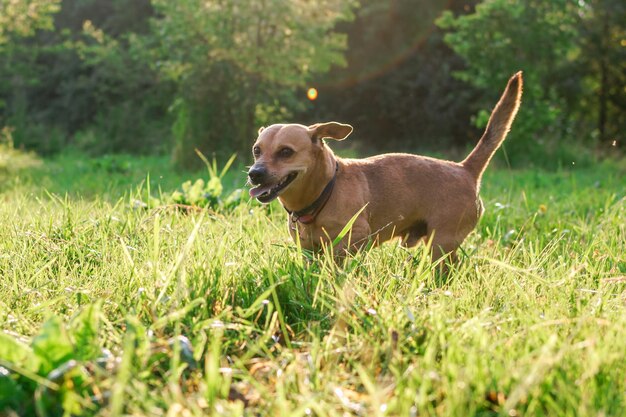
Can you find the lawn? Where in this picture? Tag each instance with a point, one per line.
(113, 303)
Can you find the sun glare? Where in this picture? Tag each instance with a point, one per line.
(311, 94)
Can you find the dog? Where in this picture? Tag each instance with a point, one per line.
(397, 195)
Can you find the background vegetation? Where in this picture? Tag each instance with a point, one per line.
(147, 76)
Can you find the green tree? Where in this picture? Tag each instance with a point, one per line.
(25, 17)
(237, 65)
(19, 19)
(602, 27)
(83, 83)
(538, 37)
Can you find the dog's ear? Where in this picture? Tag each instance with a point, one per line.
(330, 130)
(262, 128)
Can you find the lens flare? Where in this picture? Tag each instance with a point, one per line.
(311, 94)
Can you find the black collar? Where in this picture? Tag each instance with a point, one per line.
(308, 214)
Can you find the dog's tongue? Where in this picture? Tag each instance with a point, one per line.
(258, 190)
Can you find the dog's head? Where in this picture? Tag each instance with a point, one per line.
(284, 153)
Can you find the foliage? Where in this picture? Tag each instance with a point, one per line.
(83, 86)
(200, 194)
(208, 314)
(542, 53)
(602, 44)
(124, 95)
(19, 19)
(543, 40)
(53, 373)
(236, 67)
(156, 76)
(23, 18)
(112, 69)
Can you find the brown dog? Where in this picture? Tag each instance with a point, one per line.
(407, 196)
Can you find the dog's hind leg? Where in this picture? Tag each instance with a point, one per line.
(445, 240)
(414, 234)
(442, 248)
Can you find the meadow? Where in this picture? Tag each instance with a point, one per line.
(115, 302)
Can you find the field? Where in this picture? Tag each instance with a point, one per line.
(113, 303)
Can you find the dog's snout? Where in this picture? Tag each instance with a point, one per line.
(257, 174)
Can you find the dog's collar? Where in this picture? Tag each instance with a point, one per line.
(308, 214)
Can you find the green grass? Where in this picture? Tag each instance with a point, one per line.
(109, 309)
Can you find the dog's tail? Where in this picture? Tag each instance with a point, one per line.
(498, 126)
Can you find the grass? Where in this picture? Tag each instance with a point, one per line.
(109, 309)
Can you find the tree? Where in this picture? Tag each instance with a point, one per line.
(538, 37)
(80, 81)
(602, 40)
(20, 18)
(237, 65)
(25, 17)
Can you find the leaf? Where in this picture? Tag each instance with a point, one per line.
(52, 345)
(186, 186)
(178, 197)
(214, 187)
(72, 403)
(227, 166)
(12, 350)
(84, 332)
(11, 393)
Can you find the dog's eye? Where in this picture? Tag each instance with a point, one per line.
(256, 151)
(286, 152)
